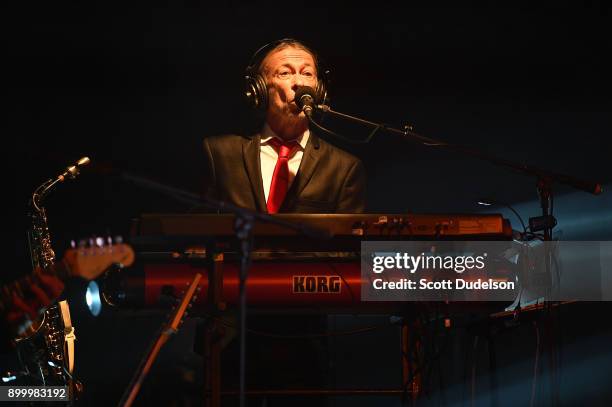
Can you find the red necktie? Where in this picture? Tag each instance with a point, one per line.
(280, 177)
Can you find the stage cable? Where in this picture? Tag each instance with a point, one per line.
(535, 365)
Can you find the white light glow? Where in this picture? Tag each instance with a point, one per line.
(92, 298)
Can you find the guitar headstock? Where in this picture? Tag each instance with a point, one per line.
(90, 258)
(176, 318)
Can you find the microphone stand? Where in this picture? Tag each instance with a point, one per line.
(545, 179)
(243, 226)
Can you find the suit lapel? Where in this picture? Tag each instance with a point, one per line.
(312, 154)
(250, 155)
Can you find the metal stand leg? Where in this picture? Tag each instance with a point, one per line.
(214, 331)
(411, 377)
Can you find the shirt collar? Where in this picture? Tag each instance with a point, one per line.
(267, 133)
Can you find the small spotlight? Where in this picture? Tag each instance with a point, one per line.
(484, 202)
(92, 298)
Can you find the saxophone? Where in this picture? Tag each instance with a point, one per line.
(46, 347)
(39, 238)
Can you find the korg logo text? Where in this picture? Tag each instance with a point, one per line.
(316, 284)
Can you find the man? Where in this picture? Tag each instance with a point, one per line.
(285, 167)
(311, 175)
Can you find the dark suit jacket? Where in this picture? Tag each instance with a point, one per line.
(329, 179)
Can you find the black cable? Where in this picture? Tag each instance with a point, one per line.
(560, 345)
(428, 342)
(465, 370)
(424, 364)
(342, 138)
(474, 361)
(412, 360)
(535, 365)
(552, 202)
(493, 369)
(445, 345)
(323, 129)
(488, 202)
(532, 236)
(439, 348)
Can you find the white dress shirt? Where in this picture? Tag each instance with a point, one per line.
(268, 157)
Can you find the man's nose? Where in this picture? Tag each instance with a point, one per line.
(298, 80)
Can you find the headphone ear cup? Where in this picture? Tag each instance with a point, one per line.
(256, 92)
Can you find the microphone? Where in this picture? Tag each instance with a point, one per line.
(73, 170)
(305, 99)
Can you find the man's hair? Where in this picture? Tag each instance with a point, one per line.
(286, 43)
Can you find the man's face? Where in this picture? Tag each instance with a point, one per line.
(284, 70)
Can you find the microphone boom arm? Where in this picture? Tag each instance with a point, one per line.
(408, 134)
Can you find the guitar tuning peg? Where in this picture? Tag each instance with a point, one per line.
(118, 239)
(82, 243)
(109, 240)
(99, 242)
(72, 244)
(91, 242)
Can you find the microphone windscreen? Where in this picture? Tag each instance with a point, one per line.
(302, 91)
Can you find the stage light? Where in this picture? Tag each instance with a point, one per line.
(92, 298)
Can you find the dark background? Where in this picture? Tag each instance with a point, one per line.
(136, 87)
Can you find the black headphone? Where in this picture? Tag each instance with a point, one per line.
(256, 91)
